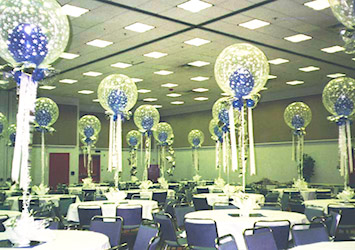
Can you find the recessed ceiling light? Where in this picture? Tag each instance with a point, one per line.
(99, 43)
(139, 27)
(155, 54)
(309, 69)
(121, 65)
(92, 73)
(197, 41)
(198, 63)
(163, 72)
(85, 92)
(295, 82)
(169, 85)
(47, 87)
(333, 49)
(254, 24)
(336, 75)
(157, 106)
(73, 11)
(177, 102)
(137, 79)
(263, 88)
(69, 81)
(298, 38)
(271, 77)
(278, 61)
(199, 78)
(200, 90)
(201, 98)
(96, 100)
(69, 56)
(194, 5)
(225, 94)
(144, 91)
(318, 4)
(173, 95)
(150, 99)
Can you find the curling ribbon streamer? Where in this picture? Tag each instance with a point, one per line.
(162, 170)
(350, 152)
(89, 161)
(224, 152)
(217, 154)
(110, 149)
(251, 143)
(42, 157)
(119, 143)
(141, 153)
(343, 152)
(195, 159)
(242, 134)
(147, 156)
(233, 139)
(27, 98)
(293, 148)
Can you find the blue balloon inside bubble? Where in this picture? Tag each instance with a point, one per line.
(43, 117)
(217, 132)
(163, 136)
(27, 43)
(241, 82)
(147, 123)
(89, 131)
(297, 121)
(117, 100)
(223, 116)
(344, 105)
(12, 138)
(1, 128)
(133, 141)
(196, 141)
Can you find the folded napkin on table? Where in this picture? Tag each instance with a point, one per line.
(163, 183)
(88, 184)
(146, 185)
(115, 194)
(245, 204)
(300, 184)
(219, 182)
(346, 195)
(40, 190)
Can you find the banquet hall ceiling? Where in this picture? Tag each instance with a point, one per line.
(107, 19)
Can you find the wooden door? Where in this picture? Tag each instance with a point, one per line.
(58, 169)
(153, 173)
(96, 169)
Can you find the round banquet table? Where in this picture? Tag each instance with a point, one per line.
(307, 194)
(149, 193)
(212, 198)
(10, 213)
(337, 245)
(227, 224)
(322, 204)
(71, 239)
(109, 208)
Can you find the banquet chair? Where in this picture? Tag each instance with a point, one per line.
(226, 242)
(201, 233)
(3, 218)
(180, 210)
(169, 233)
(280, 230)
(272, 197)
(347, 221)
(89, 194)
(131, 194)
(323, 194)
(160, 197)
(202, 190)
(64, 203)
(200, 204)
(271, 206)
(312, 212)
(131, 215)
(259, 238)
(331, 221)
(154, 242)
(309, 233)
(109, 226)
(86, 212)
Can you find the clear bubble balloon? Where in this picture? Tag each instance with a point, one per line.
(339, 96)
(33, 32)
(220, 111)
(11, 131)
(215, 129)
(117, 93)
(196, 138)
(163, 132)
(3, 124)
(297, 115)
(241, 70)
(146, 117)
(89, 126)
(133, 138)
(46, 112)
(344, 11)
(92, 141)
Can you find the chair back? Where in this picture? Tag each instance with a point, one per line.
(154, 242)
(280, 230)
(201, 204)
(333, 224)
(64, 203)
(131, 215)
(312, 212)
(86, 213)
(167, 228)
(202, 190)
(272, 197)
(109, 226)
(201, 232)
(130, 194)
(347, 214)
(226, 242)
(34, 204)
(160, 197)
(89, 194)
(309, 233)
(3, 218)
(259, 238)
(271, 206)
(180, 210)
(147, 230)
(323, 194)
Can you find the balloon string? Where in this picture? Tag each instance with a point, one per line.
(195, 152)
(293, 147)
(251, 143)
(350, 152)
(141, 153)
(301, 138)
(233, 139)
(118, 149)
(217, 154)
(110, 151)
(147, 157)
(242, 134)
(224, 152)
(89, 161)
(342, 152)
(42, 157)
(162, 170)
(228, 165)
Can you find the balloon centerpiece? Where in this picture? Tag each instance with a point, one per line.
(196, 138)
(89, 129)
(146, 118)
(339, 99)
(297, 116)
(162, 134)
(117, 95)
(241, 70)
(133, 138)
(46, 114)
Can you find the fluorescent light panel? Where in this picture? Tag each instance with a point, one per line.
(198, 63)
(150, 99)
(144, 91)
(177, 102)
(225, 94)
(139, 27)
(92, 73)
(155, 54)
(318, 4)
(199, 78)
(158, 106)
(333, 49)
(295, 82)
(298, 38)
(201, 98)
(173, 95)
(137, 79)
(197, 41)
(271, 77)
(278, 61)
(85, 92)
(336, 75)
(309, 69)
(200, 90)
(121, 65)
(46, 87)
(69, 56)
(69, 81)
(169, 85)
(163, 72)
(254, 24)
(194, 5)
(96, 100)
(73, 11)
(99, 43)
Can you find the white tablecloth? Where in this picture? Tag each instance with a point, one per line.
(227, 224)
(322, 204)
(213, 198)
(10, 213)
(338, 245)
(307, 194)
(70, 240)
(13, 200)
(109, 208)
(149, 193)
(78, 190)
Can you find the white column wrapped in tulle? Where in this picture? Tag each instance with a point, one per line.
(345, 151)
(243, 149)
(43, 158)
(163, 162)
(195, 160)
(89, 161)
(147, 156)
(251, 143)
(233, 140)
(218, 158)
(115, 147)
